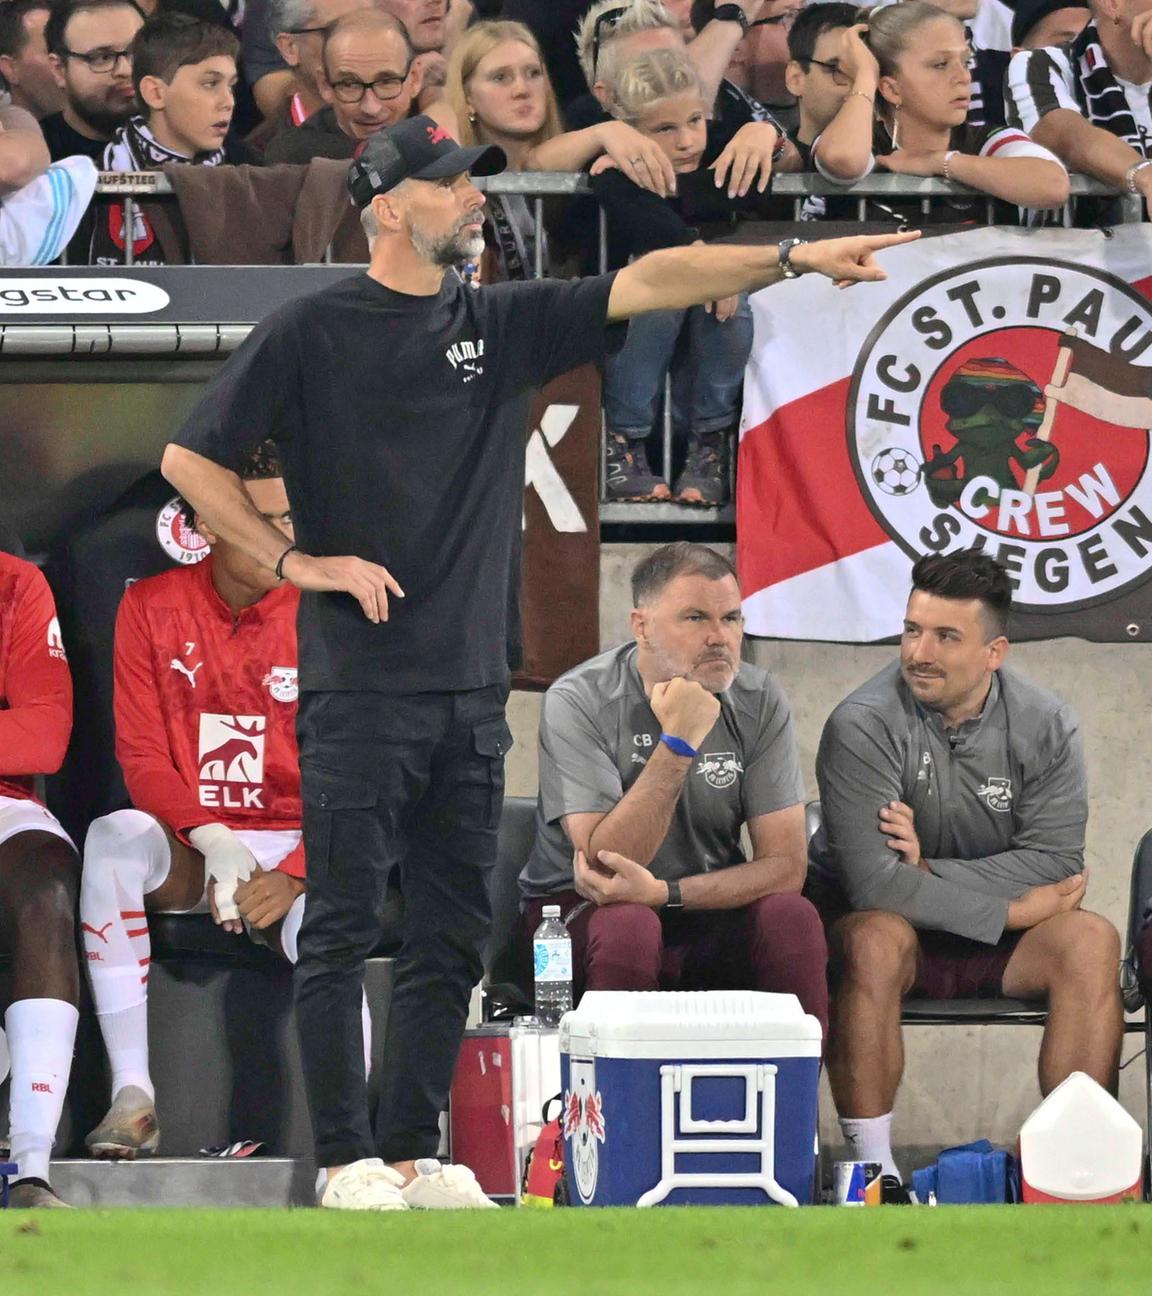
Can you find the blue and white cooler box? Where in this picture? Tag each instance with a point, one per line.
(677, 1098)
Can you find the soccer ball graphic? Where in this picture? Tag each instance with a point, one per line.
(896, 471)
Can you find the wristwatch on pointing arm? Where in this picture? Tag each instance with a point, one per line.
(675, 900)
(784, 251)
(731, 13)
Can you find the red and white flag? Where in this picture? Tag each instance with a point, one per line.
(929, 413)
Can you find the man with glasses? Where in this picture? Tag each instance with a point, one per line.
(370, 80)
(814, 76)
(289, 95)
(90, 45)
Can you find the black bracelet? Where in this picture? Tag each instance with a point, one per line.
(279, 569)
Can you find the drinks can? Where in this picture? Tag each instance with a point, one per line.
(856, 1183)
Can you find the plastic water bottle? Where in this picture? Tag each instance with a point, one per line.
(552, 959)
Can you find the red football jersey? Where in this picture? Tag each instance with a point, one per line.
(35, 686)
(206, 705)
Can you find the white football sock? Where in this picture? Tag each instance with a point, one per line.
(126, 856)
(870, 1139)
(126, 1039)
(289, 943)
(41, 1035)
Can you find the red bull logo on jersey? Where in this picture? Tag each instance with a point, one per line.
(584, 1126)
(281, 682)
(231, 757)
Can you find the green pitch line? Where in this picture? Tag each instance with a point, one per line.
(957, 1251)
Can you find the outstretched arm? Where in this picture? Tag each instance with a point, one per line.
(673, 278)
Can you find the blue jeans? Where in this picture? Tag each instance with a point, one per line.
(707, 379)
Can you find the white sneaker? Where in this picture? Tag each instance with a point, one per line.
(368, 1184)
(445, 1187)
(129, 1130)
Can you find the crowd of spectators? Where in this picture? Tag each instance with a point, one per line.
(680, 111)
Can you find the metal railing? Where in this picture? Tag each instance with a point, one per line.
(130, 186)
(538, 186)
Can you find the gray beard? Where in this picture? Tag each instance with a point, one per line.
(450, 249)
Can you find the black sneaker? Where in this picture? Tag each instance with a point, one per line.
(704, 478)
(893, 1192)
(1131, 991)
(627, 475)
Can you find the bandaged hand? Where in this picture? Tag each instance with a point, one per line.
(227, 863)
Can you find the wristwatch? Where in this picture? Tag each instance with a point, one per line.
(731, 13)
(784, 251)
(675, 900)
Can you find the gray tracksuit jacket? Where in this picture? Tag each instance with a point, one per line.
(1001, 803)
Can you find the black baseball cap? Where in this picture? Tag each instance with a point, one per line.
(1029, 12)
(416, 149)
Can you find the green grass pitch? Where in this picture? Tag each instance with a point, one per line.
(949, 1251)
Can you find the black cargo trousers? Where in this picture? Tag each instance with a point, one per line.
(414, 781)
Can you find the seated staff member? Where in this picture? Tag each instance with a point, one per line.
(653, 757)
(1088, 102)
(951, 859)
(205, 732)
(906, 112)
(39, 874)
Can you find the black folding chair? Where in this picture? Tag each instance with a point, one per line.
(1136, 980)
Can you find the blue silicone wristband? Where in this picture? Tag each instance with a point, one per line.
(678, 745)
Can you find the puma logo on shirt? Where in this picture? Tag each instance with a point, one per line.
(462, 356)
(178, 665)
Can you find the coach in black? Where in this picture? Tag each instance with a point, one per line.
(399, 399)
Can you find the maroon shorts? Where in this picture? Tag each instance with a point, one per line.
(947, 966)
(954, 967)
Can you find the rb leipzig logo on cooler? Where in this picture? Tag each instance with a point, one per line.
(1007, 405)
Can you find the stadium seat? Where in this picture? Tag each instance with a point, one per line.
(1138, 987)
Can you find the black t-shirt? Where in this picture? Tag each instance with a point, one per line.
(401, 422)
(64, 142)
